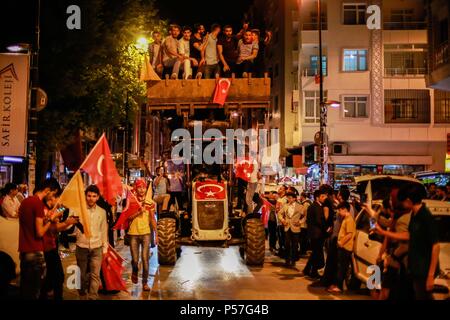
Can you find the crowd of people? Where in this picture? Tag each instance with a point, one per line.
(320, 230)
(441, 193)
(45, 224)
(408, 258)
(200, 54)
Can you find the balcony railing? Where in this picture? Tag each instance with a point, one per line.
(314, 26)
(414, 111)
(441, 55)
(404, 72)
(310, 72)
(441, 106)
(410, 25)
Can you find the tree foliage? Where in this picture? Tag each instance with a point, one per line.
(90, 74)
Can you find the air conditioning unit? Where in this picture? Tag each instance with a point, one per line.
(340, 149)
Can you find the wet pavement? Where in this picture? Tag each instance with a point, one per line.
(211, 273)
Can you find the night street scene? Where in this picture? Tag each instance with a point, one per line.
(261, 150)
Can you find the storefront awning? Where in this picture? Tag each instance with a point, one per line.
(380, 160)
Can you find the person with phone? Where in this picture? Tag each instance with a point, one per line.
(54, 278)
(33, 224)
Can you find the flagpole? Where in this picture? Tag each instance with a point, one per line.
(87, 157)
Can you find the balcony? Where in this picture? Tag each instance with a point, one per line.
(410, 25)
(404, 72)
(441, 106)
(441, 55)
(311, 72)
(407, 106)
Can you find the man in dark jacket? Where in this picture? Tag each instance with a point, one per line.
(317, 225)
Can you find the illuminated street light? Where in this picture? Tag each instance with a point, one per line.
(19, 47)
(142, 43)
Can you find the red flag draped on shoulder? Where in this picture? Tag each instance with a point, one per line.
(100, 167)
(130, 209)
(221, 92)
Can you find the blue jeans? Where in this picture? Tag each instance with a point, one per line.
(135, 243)
(32, 274)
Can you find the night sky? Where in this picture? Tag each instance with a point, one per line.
(17, 16)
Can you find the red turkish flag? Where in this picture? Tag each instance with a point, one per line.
(100, 167)
(221, 92)
(244, 168)
(265, 212)
(112, 269)
(317, 78)
(131, 208)
(210, 190)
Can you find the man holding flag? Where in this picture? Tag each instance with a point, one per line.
(90, 250)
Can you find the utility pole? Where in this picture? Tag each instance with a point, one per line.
(323, 109)
(33, 113)
(126, 139)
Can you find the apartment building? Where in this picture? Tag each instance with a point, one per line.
(439, 54)
(389, 121)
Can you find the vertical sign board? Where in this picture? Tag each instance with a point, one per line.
(14, 77)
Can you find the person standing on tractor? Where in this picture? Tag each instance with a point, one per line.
(140, 234)
(162, 185)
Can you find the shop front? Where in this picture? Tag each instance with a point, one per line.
(344, 168)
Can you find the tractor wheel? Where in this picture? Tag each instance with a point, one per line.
(255, 242)
(167, 246)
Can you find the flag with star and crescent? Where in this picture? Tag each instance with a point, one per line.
(210, 190)
(102, 170)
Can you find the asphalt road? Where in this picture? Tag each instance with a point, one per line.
(210, 273)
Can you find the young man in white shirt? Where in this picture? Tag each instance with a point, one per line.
(184, 50)
(89, 252)
(11, 204)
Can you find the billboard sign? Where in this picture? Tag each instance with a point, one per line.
(14, 77)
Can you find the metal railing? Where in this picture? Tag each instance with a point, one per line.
(410, 25)
(407, 72)
(309, 26)
(441, 55)
(310, 72)
(416, 112)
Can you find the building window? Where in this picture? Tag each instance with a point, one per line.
(407, 106)
(311, 103)
(405, 60)
(356, 107)
(402, 15)
(441, 106)
(314, 64)
(354, 13)
(355, 60)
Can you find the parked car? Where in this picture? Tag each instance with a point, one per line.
(367, 245)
